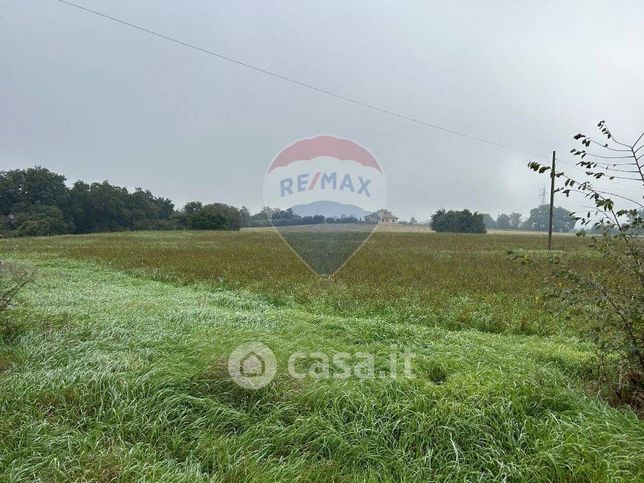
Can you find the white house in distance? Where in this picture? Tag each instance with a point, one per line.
(381, 216)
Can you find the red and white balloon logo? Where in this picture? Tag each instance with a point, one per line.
(324, 194)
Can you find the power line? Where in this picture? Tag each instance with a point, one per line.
(295, 81)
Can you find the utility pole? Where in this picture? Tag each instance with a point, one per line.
(552, 201)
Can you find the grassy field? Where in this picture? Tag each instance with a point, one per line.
(113, 368)
(455, 281)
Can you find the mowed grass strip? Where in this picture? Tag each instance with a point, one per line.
(112, 376)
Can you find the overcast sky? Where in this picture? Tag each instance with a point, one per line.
(95, 100)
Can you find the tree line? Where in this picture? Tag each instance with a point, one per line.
(464, 221)
(562, 220)
(276, 217)
(37, 202)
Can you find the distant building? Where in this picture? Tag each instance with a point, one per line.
(381, 216)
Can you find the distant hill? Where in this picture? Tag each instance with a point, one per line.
(329, 209)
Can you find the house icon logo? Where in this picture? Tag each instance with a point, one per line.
(252, 365)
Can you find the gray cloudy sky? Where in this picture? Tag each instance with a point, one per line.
(95, 100)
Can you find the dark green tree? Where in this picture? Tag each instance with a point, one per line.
(490, 223)
(515, 220)
(457, 222)
(31, 186)
(216, 216)
(503, 222)
(40, 220)
(244, 217)
(562, 219)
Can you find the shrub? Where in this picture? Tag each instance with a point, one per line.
(614, 297)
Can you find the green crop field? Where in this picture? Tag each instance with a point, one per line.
(113, 365)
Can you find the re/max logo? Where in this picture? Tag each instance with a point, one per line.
(332, 181)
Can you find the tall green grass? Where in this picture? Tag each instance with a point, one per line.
(455, 281)
(122, 377)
